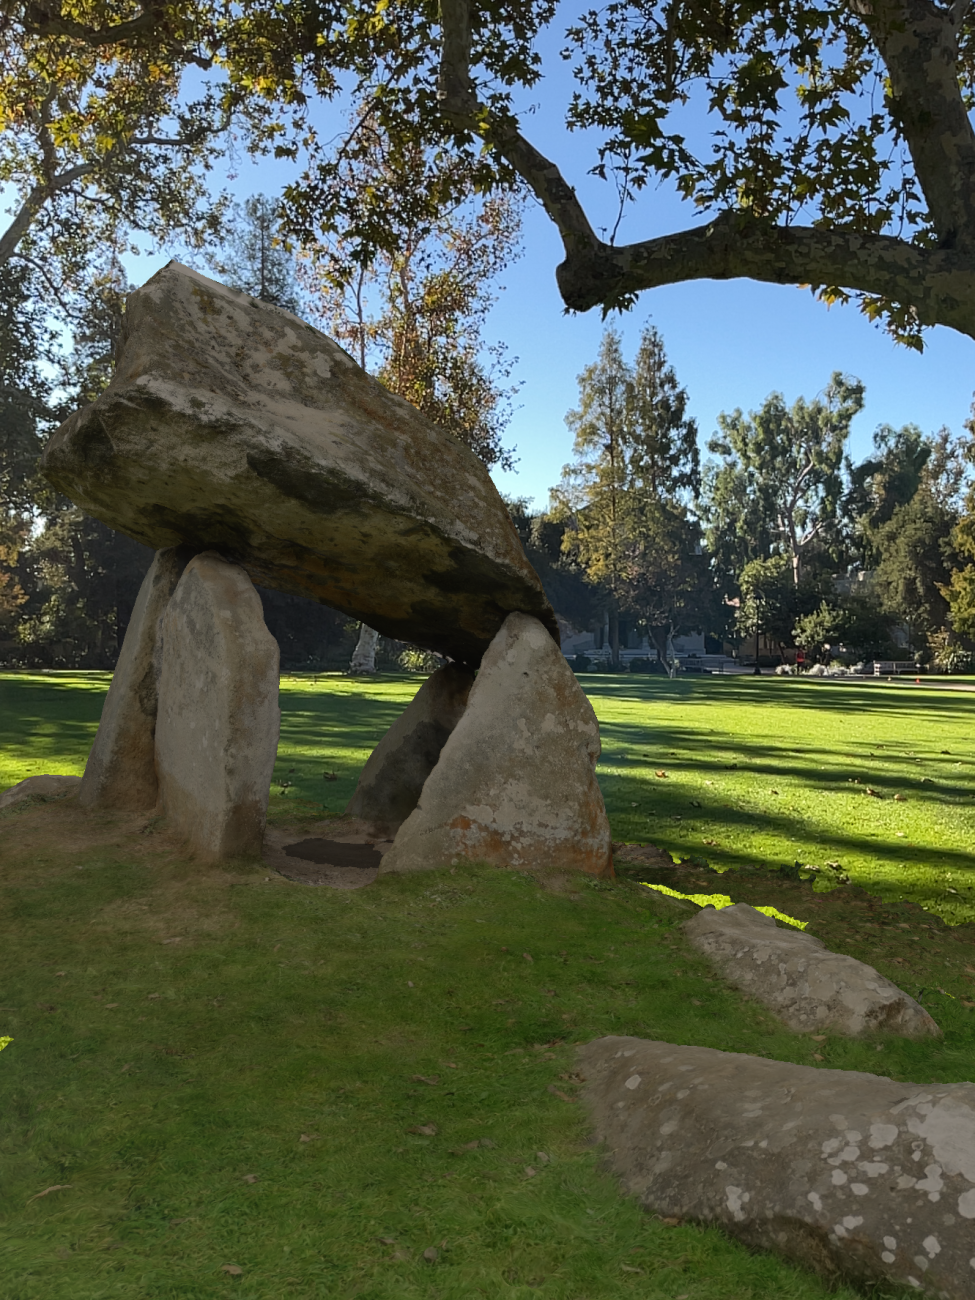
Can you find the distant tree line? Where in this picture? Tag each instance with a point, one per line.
(779, 542)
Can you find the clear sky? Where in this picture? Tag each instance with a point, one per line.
(731, 343)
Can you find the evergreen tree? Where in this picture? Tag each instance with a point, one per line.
(622, 500)
(255, 257)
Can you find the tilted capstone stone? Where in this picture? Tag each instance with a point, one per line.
(848, 1174)
(515, 783)
(121, 769)
(232, 425)
(804, 983)
(218, 718)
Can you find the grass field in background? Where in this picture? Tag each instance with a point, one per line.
(761, 771)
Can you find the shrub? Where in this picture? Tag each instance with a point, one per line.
(416, 660)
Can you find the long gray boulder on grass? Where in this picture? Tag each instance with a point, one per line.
(849, 1174)
(231, 425)
(806, 985)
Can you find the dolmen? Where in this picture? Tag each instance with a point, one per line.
(244, 446)
(850, 1174)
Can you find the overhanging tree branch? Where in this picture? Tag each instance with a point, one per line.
(939, 284)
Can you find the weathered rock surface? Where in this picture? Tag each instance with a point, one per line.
(804, 983)
(218, 718)
(844, 1173)
(232, 425)
(121, 768)
(515, 784)
(392, 779)
(39, 787)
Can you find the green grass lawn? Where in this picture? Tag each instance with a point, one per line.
(221, 1071)
(758, 771)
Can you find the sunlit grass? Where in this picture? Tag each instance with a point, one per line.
(757, 771)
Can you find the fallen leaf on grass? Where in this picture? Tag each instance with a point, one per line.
(250, 1178)
(177, 940)
(431, 1255)
(900, 798)
(661, 774)
(557, 1092)
(110, 1006)
(671, 1221)
(399, 1255)
(234, 1270)
(967, 1004)
(58, 1187)
(386, 1241)
(697, 1002)
(127, 1066)
(310, 1137)
(543, 1158)
(432, 1079)
(150, 996)
(530, 1172)
(626, 1269)
(819, 1038)
(527, 956)
(817, 1057)
(59, 973)
(425, 1130)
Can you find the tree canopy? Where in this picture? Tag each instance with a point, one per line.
(827, 145)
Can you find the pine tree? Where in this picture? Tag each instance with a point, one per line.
(255, 257)
(624, 498)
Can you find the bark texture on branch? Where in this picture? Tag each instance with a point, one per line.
(917, 41)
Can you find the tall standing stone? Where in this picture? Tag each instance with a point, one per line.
(121, 768)
(392, 779)
(515, 784)
(218, 716)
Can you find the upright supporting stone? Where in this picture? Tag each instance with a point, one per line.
(121, 769)
(218, 718)
(392, 779)
(515, 783)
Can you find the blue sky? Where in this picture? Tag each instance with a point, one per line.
(731, 343)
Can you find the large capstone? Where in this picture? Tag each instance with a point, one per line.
(393, 777)
(515, 784)
(848, 1174)
(121, 768)
(804, 983)
(231, 424)
(218, 718)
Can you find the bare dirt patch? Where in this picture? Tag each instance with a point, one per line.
(339, 853)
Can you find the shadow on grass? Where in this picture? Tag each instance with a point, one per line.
(769, 692)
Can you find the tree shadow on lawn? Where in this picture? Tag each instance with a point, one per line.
(776, 762)
(785, 692)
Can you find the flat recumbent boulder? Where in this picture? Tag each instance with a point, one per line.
(849, 1174)
(231, 425)
(804, 983)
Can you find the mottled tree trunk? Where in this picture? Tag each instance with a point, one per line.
(364, 655)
